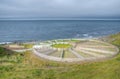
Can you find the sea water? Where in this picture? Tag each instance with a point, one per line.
(30, 30)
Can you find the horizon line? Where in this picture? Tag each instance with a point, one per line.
(59, 19)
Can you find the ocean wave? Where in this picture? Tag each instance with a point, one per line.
(5, 42)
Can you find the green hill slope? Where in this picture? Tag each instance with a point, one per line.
(32, 67)
(5, 52)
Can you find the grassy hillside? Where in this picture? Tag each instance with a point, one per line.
(5, 52)
(29, 66)
(114, 39)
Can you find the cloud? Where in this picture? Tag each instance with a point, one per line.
(59, 8)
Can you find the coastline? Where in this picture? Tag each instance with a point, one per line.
(31, 41)
(25, 41)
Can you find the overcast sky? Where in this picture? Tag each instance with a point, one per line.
(59, 8)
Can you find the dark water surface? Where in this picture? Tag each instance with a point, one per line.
(23, 30)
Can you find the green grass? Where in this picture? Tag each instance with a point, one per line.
(69, 55)
(27, 45)
(56, 54)
(75, 40)
(84, 54)
(6, 52)
(29, 66)
(61, 45)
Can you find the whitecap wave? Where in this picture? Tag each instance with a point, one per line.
(5, 42)
(85, 35)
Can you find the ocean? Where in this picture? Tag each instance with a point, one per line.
(30, 30)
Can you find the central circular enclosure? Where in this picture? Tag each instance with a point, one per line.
(61, 45)
(71, 50)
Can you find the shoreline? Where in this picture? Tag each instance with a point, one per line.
(31, 41)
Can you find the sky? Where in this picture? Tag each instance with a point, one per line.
(59, 9)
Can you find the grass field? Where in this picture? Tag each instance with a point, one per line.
(28, 66)
(69, 55)
(56, 54)
(27, 45)
(61, 45)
